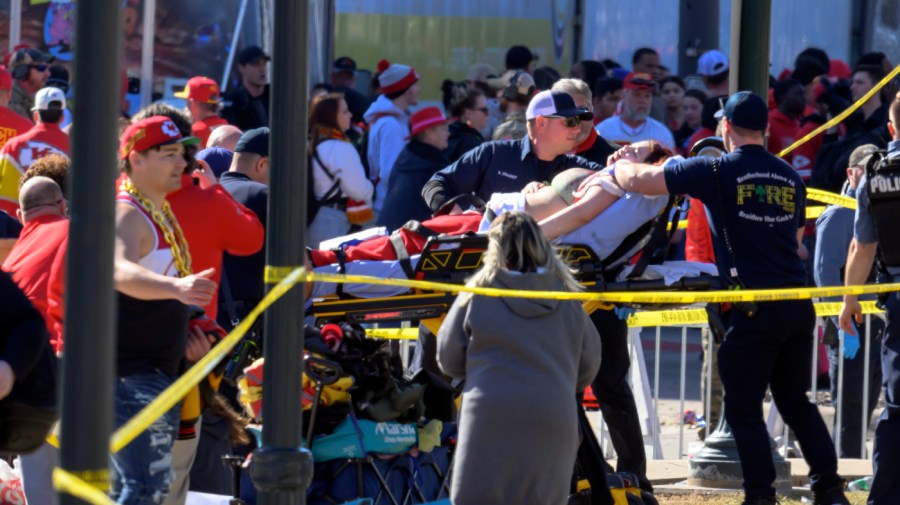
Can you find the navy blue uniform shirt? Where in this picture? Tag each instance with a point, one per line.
(764, 202)
(245, 273)
(502, 166)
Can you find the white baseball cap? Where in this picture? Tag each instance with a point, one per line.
(48, 95)
(712, 62)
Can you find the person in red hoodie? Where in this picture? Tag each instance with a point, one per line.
(784, 121)
(46, 137)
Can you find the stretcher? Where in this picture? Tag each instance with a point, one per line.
(453, 259)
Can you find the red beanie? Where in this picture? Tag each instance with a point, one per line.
(395, 77)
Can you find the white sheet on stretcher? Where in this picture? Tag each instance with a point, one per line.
(671, 271)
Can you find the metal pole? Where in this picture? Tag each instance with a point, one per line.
(698, 31)
(840, 393)
(281, 469)
(756, 24)
(815, 363)
(656, 380)
(90, 300)
(709, 372)
(233, 49)
(15, 23)
(735, 54)
(681, 394)
(865, 390)
(147, 51)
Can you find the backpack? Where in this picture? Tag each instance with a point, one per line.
(362, 145)
(313, 204)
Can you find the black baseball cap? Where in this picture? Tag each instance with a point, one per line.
(746, 110)
(250, 54)
(345, 64)
(254, 141)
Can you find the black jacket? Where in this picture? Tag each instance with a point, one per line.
(414, 167)
(25, 346)
(463, 138)
(500, 166)
(244, 111)
(245, 273)
(830, 168)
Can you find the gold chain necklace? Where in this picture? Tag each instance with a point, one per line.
(169, 226)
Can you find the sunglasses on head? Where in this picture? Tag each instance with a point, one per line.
(574, 121)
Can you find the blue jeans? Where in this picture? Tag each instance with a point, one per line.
(143, 468)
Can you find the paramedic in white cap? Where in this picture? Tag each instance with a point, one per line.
(713, 67)
(507, 166)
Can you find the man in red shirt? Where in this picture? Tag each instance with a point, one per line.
(11, 124)
(46, 137)
(784, 121)
(43, 210)
(202, 95)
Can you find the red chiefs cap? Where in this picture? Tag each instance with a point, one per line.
(201, 89)
(151, 132)
(424, 119)
(639, 80)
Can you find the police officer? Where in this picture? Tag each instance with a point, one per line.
(878, 202)
(757, 206)
(834, 232)
(506, 166)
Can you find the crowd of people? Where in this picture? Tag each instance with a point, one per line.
(192, 203)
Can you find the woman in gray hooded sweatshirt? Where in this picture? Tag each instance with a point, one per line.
(522, 360)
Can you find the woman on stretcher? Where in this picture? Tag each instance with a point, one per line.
(574, 209)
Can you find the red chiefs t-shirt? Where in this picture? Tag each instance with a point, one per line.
(30, 262)
(12, 125)
(20, 152)
(204, 127)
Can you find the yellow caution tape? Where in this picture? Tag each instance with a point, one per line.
(174, 393)
(79, 487)
(678, 317)
(394, 333)
(830, 198)
(274, 275)
(843, 115)
(661, 297)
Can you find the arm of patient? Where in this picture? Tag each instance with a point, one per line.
(595, 200)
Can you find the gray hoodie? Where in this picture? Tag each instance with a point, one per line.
(522, 361)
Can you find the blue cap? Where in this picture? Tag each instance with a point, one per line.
(218, 159)
(254, 141)
(746, 110)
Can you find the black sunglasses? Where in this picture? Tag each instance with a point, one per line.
(40, 67)
(572, 122)
(485, 110)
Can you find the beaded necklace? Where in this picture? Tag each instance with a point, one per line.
(166, 221)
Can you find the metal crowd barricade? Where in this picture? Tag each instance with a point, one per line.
(646, 390)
